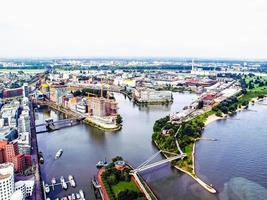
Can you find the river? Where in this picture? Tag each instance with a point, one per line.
(83, 146)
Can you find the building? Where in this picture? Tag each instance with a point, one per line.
(11, 190)
(25, 89)
(9, 152)
(9, 93)
(101, 107)
(24, 143)
(26, 187)
(8, 134)
(17, 195)
(7, 185)
(151, 95)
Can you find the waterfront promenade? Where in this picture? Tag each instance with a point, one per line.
(37, 195)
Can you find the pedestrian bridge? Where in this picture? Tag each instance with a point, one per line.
(148, 165)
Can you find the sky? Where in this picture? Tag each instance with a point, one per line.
(134, 28)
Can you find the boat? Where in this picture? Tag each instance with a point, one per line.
(64, 198)
(101, 163)
(71, 180)
(58, 154)
(48, 198)
(56, 198)
(69, 197)
(53, 181)
(78, 196)
(47, 189)
(73, 196)
(41, 158)
(63, 183)
(81, 194)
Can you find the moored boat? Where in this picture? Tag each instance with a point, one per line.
(63, 183)
(47, 189)
(81, 194)
(73, 196)
(72, 181)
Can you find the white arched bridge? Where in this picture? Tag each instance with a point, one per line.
(147, 165)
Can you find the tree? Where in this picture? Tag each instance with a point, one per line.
(129, 195)
(112, 179)
(119, 119)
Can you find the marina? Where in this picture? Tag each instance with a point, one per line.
(64, 185)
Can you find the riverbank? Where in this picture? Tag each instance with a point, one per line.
(193, 175)
(102, 126)
(188, 132)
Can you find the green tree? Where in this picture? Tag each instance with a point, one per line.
(119, 119)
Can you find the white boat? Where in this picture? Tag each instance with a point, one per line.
(59, 153)
(81, 194)
(47, 198)
(63, 183)
(73, 196)
(53, 181)
(78, 196)
(72, 181)
(47, 189)
(69, 197)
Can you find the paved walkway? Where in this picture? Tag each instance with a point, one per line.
(99, 178)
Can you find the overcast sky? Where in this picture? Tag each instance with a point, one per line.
(90, 28)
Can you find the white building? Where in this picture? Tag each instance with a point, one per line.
(150, 95)
(26, 187)
(7, 186)
(17, 195)
(24, 143)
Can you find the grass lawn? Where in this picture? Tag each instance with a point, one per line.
(123, 185)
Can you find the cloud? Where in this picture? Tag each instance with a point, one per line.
(207, 28)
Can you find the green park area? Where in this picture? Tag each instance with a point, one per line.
(119, 184)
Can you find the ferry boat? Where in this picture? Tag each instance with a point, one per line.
(58, 154)
(71, 180)
(81, 194)
(47, 189)
(41, 158)
(63, 183)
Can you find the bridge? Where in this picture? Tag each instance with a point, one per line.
(56, 125)
(145, 165)
(62, 121)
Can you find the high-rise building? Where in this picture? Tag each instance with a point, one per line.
(7, 185)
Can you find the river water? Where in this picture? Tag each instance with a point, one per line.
(84, 146)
